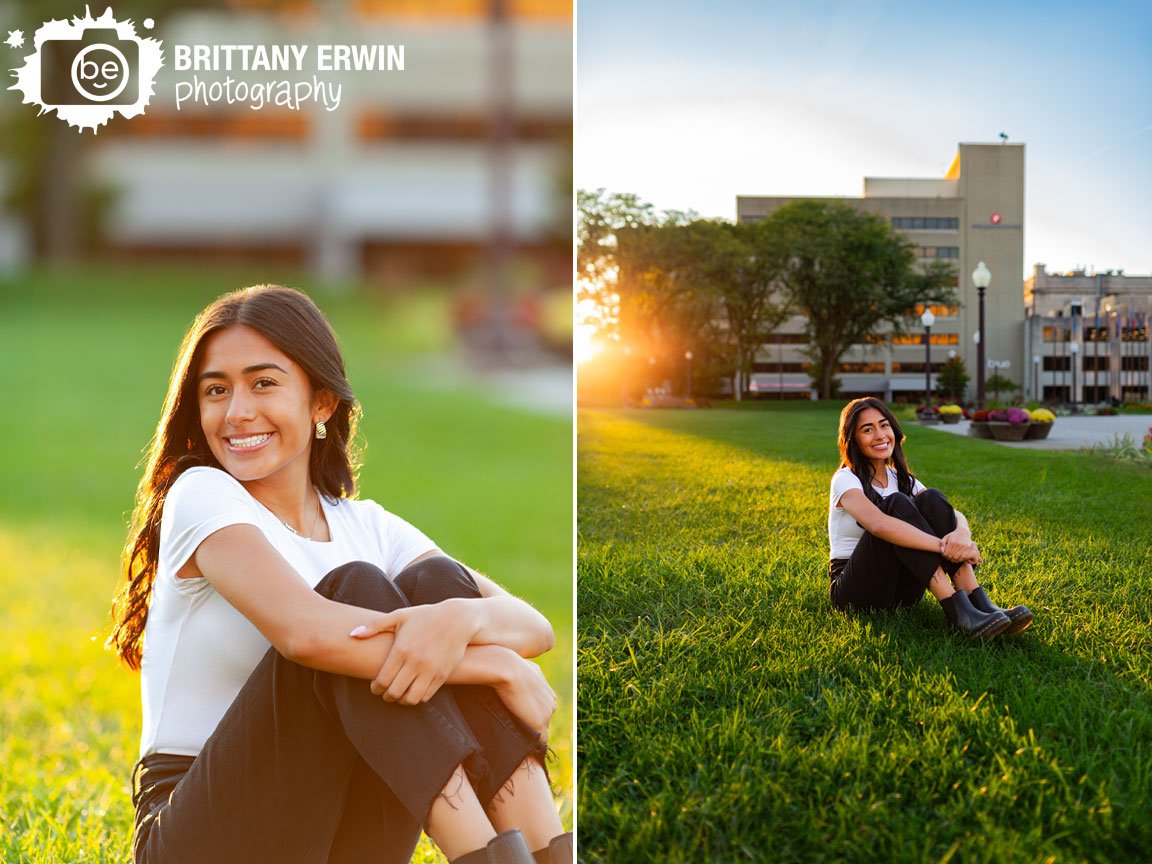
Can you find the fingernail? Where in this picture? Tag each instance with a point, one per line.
(359, 630)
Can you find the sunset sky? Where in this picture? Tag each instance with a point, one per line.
(689, 104)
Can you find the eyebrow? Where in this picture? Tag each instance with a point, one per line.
(247, 370)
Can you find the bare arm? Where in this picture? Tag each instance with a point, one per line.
(873, 520)
(302, 625)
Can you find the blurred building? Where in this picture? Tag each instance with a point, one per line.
(974, 213)
(406, 178)
(1087, 336)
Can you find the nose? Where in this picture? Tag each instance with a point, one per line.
(240, 408)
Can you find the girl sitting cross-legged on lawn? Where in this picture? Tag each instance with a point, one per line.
(319, 681)
(891, 538)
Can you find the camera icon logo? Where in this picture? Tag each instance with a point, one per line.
(89, 69)
(96, 69)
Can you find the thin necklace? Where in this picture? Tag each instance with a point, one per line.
(315, 522)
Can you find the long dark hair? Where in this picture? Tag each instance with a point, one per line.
(851, 457)
(290, 321)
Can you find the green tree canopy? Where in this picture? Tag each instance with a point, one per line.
(851, 276)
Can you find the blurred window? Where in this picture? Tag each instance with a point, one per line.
(252, 126)
(384, 126)
(448, 9)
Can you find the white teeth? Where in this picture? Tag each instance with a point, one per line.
(250, 441)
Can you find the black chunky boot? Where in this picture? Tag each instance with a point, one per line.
(1020, 616)
(966, 618)
(507, 847)
(559, 851)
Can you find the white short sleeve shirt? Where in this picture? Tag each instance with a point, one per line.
(843, 531)
(198, 650)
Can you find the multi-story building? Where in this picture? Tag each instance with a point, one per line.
(1087, 336)
(974, 213)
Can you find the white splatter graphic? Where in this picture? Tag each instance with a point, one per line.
(109, 75)
(15, 39)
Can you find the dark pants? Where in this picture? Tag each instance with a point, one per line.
(308, 766)
(882, 575)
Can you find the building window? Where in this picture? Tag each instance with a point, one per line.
(1133, 334)
(778, 368)
(1053, 333)
(938, 252)
(1097, 334)
(914, 368)
(786, 339)
(1096, 364)
(1057, 364)
(925, 223)
(1096, 393)
(918, 339)
(859, 368)
(940, 311)
(1133, 364)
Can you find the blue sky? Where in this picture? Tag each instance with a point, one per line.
(689, 104)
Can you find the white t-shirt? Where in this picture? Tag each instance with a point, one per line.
(843, 531)
(198, 650)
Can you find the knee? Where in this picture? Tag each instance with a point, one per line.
(434, 580)
(359, 583)
(899, 505)
(931, 497)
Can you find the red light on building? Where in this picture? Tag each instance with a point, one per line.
(995, 220)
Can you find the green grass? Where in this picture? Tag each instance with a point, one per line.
(85, 364)
(726, 713)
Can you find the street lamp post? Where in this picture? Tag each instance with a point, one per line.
(981, 278)
(688, 388)
(1036, 377)
(927, 319)
(1074, 350)
(957, 397)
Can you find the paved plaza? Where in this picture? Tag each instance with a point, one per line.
(1072, 433)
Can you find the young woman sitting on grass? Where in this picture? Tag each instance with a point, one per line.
(319, 681)
(891, 538)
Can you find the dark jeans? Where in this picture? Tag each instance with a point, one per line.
(309, 766)
(882, 575)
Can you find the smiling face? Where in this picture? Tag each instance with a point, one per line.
(875, 438)
(257, 408)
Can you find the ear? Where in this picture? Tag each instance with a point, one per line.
(324, 406)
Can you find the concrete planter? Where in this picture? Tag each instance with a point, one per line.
(1003, 431)
(1038, 431)
(951, 419)
(979, 429)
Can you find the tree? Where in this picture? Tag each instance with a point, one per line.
(999, 382)
(738, 266)
(952, 380)
(851, 276)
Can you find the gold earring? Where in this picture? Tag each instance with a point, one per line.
(321, 429)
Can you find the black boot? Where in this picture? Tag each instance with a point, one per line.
(507, 847)
(1020, 616)
(966, 618)
(559, 851)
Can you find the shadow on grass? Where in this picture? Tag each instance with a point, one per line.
(724, 706)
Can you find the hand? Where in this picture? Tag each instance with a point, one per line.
(528, 695)
(958, 546)
(428, 644)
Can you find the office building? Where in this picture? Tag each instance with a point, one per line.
(974, 213)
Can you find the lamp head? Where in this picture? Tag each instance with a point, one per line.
(927, 319)
(981, 276)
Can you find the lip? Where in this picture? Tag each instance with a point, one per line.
(250, 448)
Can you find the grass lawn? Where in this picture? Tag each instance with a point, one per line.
(726, 713)
(85, 365)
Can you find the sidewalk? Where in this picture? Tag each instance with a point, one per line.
(1072, 433)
